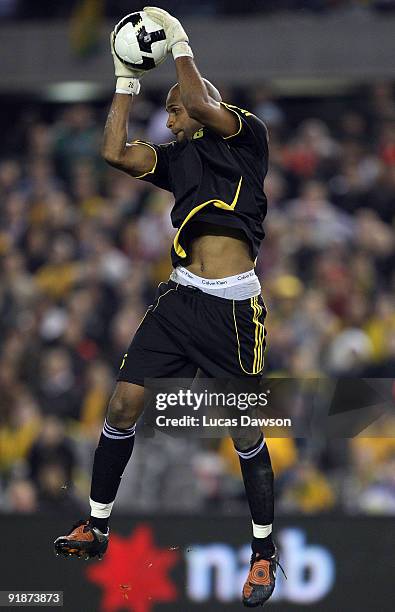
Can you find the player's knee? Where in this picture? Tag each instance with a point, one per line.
(123, 411)
(246, 439)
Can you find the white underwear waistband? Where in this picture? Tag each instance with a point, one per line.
(238, 287)
(215, 283)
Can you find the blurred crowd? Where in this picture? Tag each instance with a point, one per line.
(82, 248)
(25, 9)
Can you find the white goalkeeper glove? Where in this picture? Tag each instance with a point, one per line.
(128, 80)
(177, 38)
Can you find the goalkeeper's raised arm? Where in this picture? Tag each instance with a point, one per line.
(202, 103)
(134, 159)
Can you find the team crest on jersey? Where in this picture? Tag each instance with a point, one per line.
(198, 134)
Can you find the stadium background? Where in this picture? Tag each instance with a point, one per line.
(83, 247)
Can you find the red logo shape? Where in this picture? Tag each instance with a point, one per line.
(134, 573)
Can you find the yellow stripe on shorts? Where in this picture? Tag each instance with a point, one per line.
(259, 335)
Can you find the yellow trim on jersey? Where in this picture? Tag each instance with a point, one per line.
(217, 203)
(258, 337)
(141, 142)
(233, 110)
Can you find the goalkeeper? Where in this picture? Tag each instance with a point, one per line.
(210, 314)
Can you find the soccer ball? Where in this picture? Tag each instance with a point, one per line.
(140, 43)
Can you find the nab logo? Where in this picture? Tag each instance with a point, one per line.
(219, 571)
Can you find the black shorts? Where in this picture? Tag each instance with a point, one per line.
(186, 329)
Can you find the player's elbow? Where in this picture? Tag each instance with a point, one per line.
(111, 157)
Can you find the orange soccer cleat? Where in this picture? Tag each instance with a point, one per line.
(83, 541)
(261, 580)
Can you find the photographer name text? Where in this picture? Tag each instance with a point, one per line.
(205, 421)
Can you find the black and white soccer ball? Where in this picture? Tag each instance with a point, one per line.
(140, 43)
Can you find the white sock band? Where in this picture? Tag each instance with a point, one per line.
(261, 531)
(118, 434)
(252, 453)
(99, 510)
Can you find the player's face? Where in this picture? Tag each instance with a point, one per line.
(179, 122)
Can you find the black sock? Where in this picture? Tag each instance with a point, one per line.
(257, 474)
(111, 457)
(100, 523)
(263, 546)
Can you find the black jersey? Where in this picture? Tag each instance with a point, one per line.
(215, 179)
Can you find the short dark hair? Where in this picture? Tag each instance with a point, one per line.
(211, 90)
